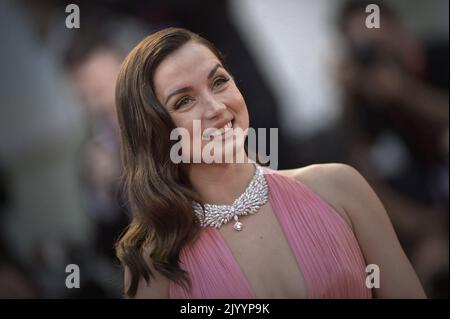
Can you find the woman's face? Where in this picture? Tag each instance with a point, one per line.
(192, 84)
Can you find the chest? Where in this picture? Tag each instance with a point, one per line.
(265, 256)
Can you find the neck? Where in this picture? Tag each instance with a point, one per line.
(220, 184)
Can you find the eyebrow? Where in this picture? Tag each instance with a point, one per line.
(189, 88)
(182, 90)
(214, 69)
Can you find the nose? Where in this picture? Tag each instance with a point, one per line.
(214, 108)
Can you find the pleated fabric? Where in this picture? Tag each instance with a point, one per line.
(324, 245)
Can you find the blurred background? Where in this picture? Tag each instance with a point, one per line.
(376, 99)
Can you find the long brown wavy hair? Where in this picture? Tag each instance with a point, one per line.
(158, 191)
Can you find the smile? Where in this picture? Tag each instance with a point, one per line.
(217, 132)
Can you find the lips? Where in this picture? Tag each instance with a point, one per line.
(228, 125)
(217, 131)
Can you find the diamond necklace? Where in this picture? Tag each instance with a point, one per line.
(248, 203)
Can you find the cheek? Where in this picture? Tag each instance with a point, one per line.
(185, 121)
(242, 106)
(237, 103)
(236, 99)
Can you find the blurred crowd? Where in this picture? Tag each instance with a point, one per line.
(395, 93)
(60, 198)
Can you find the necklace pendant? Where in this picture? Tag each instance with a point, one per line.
(248, 203)
(238, 225)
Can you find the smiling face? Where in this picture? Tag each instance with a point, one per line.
(191, 84)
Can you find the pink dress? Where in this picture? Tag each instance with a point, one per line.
(323, 243)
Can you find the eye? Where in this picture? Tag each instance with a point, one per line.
(182, 102)
(219, 81)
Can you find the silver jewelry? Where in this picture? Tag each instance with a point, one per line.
(255, 195)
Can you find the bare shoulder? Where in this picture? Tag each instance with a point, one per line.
(333, 182)
(156, 288)
(317, 169)
(343, 185)
(348, 191)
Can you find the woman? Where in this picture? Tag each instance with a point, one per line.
(306, 233)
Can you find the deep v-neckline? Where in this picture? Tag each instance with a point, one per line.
(326, 250)
(276, 212)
